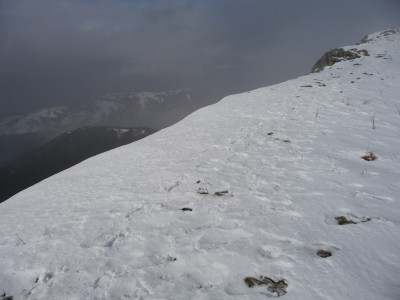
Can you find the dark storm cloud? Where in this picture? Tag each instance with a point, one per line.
(58, 51)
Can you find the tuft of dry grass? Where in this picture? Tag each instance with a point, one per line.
(324, 253)
(342, 220)
(369, 156)
(278, 287)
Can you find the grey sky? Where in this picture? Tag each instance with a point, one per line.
(62, 51)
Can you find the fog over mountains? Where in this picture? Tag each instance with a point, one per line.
(62, 52)
(151, 109)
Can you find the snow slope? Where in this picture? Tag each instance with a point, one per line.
(285, 161)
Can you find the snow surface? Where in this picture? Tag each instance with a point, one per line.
(288, 157)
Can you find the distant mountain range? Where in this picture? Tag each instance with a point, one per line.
(150, 109)
(61, 153)
(157, 110)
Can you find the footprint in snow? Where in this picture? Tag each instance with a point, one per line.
(106, 239)
(173, 186)
(44, 278)
(105, 280)
(287, 252)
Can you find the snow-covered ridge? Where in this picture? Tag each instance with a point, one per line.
(46, 117)
(290, 190)
(116, 109)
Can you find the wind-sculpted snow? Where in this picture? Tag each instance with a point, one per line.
(265, 194)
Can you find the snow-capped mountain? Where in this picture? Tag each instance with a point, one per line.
(20, 134)
(286, 191)
(150, 109)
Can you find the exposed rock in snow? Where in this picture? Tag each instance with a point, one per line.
(334, 56)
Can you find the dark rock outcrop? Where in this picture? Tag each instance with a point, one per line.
(337, 55)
